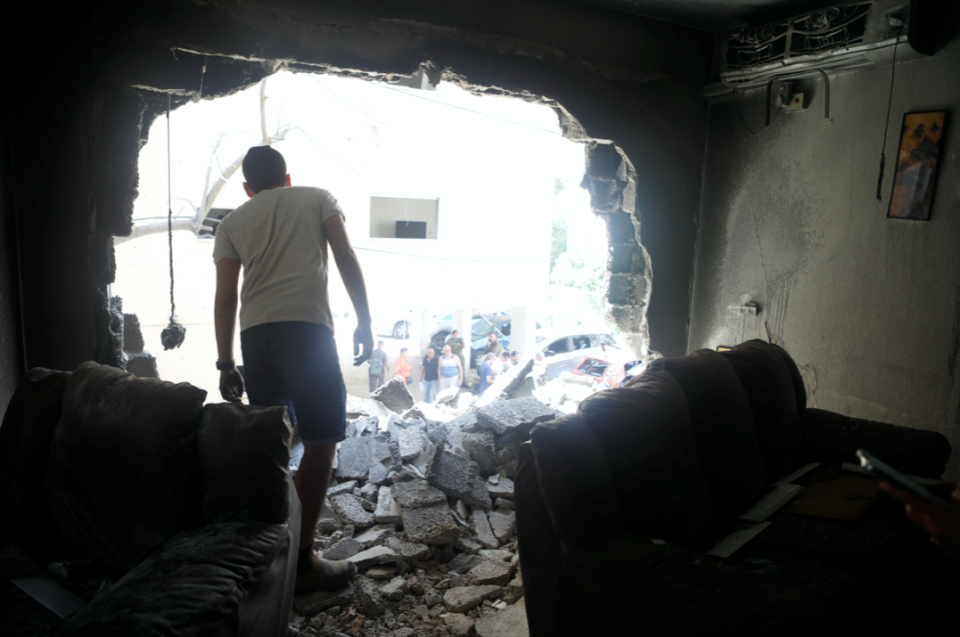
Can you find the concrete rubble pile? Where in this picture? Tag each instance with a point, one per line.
(423, 503)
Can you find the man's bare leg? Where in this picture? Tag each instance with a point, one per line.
(312, 479)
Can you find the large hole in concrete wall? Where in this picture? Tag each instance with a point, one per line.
(609, 179)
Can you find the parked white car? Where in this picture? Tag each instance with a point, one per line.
(564, 349)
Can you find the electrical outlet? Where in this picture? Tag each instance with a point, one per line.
(795, 103)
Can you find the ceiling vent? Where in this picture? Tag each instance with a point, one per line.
(842, 37)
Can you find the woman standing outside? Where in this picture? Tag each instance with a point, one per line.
(402, 368)
(450, 368)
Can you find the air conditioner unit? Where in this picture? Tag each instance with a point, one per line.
(837, 38)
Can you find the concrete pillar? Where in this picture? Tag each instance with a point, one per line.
(423, 329)
(523, 327)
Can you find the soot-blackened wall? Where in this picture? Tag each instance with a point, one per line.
(611, 76)
(869, 307)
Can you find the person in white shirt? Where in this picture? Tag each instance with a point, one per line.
(280, 239)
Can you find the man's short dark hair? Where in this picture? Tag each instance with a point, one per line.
(514, 353)
(264, 167)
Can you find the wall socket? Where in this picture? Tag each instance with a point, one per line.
(750, 308)
(795, 103)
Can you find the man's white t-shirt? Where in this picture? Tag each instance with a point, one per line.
(278, 237)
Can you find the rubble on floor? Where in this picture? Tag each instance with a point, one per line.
(422, 503)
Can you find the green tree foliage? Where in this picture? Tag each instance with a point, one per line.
(578, 269)
(558, 235)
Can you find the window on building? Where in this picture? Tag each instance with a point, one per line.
(403, 218)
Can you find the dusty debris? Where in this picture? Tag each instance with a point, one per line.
(423, 503)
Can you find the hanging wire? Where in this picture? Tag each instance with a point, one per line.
(172, 335)
(886, 129)
(173, 306)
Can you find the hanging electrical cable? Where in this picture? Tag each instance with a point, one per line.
(893, 73)
(172, 335)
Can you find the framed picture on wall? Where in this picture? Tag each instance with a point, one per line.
(917, 163)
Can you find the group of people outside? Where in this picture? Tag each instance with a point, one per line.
(438, 373)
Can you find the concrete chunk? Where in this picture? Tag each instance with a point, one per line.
(344, 487)
(458, 624)
(408, 550)
(350, 509)
(468, 546)
(511, 622)
(411, 441)
(504, 526)
(458, 477)
(342, 550)
(378, 474)
(394, 395)
(387, 511)
(369, 492)
(394, 589)
(373, 535)
(503, 489)
(357, 455)
(515, 417)
(463, 598)
(496, 556)
(365, 426)
(328, 522)
(462, 563)
(491, 572)
(413, 494)
(431, 525)
(375, 556)
(483, 451)
(480, 524)
(370, 598)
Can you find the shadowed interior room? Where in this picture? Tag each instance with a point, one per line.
(782, 259)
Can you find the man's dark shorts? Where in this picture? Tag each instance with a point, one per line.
(296, 364)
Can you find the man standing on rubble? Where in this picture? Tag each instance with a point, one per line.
(280, 237)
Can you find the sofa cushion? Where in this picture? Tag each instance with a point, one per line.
(766, 379)
(244, 463)
(28, 425)
(124, 472)
(575, 480)
(188, 587)
(644, 428)
(723, 425)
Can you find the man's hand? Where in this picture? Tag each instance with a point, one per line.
(362, 344)
(941, 522)
(231, 385)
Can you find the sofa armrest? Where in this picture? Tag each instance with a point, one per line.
(190, 586)
(831, 437)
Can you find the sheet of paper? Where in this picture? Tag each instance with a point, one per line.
(771, 502)
(729, 545)
(802, 471)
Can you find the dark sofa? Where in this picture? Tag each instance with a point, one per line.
(617, 503)
(190, 508)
